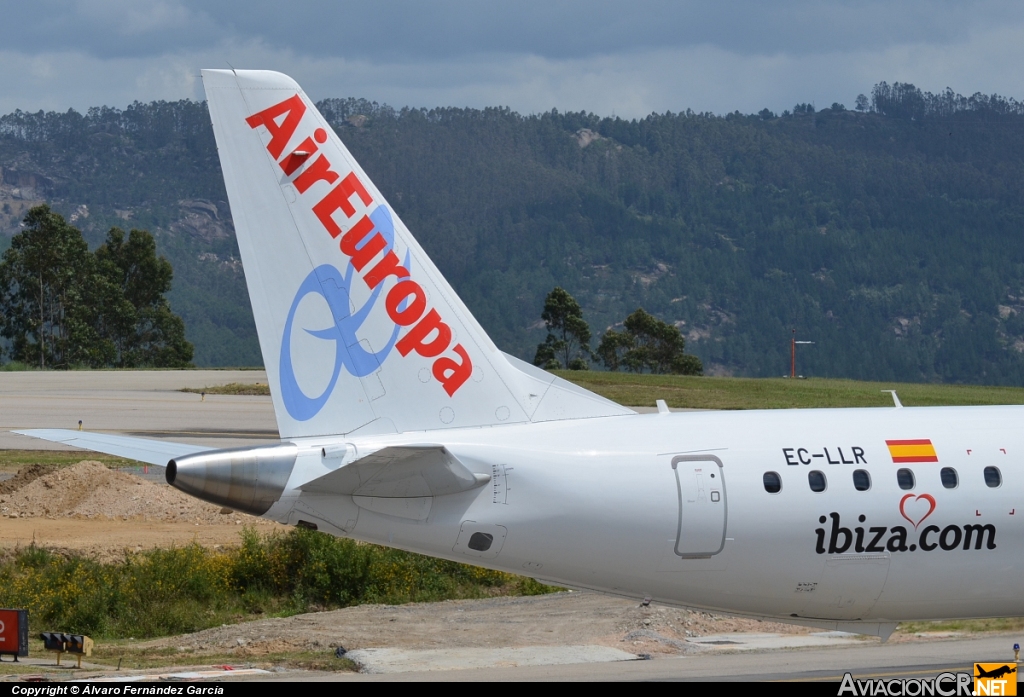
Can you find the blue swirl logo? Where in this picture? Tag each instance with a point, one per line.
(335, 288)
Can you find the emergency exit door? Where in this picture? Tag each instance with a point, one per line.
(703, 513)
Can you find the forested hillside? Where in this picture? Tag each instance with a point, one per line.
(890, 235)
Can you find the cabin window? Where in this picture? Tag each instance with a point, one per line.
(861, 480)
(992, 477)
(905, 478)
(772, 482)
(949, 478)
(817, 480)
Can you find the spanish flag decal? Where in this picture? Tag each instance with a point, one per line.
(904, 451)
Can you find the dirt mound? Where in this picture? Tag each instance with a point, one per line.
(91, 490)
(24, 476)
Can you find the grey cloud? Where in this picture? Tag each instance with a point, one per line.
(106, 28)
(633, 84)
(582, 29)
(394, 31)
(742, 57)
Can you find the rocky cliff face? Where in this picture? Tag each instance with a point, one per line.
(19, 191)
(202, 219)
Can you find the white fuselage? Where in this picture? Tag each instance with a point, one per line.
(596, 503)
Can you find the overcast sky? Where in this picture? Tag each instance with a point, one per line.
(624, 58)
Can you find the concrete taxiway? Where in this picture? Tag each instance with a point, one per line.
(867, 660)
(145, 403)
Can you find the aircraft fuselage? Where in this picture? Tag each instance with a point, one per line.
(640, 506)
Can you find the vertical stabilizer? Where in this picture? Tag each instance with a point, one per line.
(359, 330)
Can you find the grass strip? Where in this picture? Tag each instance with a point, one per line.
(255, 389)
(780, 393)
(746, 393)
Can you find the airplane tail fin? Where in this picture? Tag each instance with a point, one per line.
(360, 333)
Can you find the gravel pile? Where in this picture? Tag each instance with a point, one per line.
(24, 476)
(89, 489)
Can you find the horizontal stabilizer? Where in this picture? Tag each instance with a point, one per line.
(410, 471)
(153, 452)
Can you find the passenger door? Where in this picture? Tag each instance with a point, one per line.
(703, 510)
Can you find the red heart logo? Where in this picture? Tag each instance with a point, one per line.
(916, 508)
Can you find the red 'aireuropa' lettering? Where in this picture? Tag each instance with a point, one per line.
(429, 338)
(417, 305)
(450, 374)
(339, 199)
(428, 335)
(292, 109)
(319, 171)
(354, 243)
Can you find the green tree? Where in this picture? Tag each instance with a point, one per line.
(137, 319)
(62, 306)
(647, 343)
(568, 340)
(614, 348)
(43, 289)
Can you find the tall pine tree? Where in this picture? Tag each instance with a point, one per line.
(62, 306)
